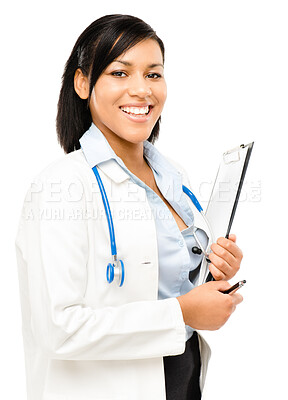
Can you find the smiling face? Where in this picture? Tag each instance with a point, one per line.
(129, 95)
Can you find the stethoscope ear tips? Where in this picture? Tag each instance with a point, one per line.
(196, 250)
(117, 271)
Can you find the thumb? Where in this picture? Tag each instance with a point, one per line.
(220, 285)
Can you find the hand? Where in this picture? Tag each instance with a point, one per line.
(225, 258)
(205, 307)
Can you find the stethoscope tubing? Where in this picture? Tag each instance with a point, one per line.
(107, 211)
(193, 198)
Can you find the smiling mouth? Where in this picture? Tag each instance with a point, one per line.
(137, 112)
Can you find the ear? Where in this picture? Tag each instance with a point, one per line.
(81, 84)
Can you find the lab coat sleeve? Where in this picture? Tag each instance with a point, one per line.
(52, 250)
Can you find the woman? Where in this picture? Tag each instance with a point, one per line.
(134, 338)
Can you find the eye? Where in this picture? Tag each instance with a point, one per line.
(154, 75)
(118, 73)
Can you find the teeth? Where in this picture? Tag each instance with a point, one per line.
(136, 110)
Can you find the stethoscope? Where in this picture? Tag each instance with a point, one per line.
(115, 269)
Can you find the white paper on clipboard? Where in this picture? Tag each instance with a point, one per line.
(225, 194)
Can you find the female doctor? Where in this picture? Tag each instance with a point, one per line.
(120, 326)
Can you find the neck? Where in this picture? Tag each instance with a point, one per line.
(130, 153)
(132, 156)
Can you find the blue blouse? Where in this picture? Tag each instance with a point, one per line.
(175, 255)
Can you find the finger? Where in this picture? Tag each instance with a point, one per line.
(217, 274)
(231, 247)
(220, 269)
(223, 253)
(232, 237)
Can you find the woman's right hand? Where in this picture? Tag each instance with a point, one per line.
(206, 308)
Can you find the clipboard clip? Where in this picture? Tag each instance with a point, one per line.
(233, 155)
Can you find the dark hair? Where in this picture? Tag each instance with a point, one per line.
(92, 53)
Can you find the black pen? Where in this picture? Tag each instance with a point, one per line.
(234, 287)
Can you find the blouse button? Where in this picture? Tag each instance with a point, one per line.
(184, 275)
(181, 243)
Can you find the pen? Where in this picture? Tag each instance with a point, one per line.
(234, 287)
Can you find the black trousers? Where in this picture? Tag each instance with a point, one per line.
(182, 372)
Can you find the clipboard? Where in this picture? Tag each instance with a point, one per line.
(224, 198)
(227, 188)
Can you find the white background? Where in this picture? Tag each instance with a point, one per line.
(226, 70)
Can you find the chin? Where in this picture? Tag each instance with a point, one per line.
(136, 137)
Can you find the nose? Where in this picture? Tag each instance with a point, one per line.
(139, 87)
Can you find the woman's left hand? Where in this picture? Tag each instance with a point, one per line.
(225, 258)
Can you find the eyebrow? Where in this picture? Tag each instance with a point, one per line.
(130, 65)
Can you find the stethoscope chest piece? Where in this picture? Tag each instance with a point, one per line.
(115, 270)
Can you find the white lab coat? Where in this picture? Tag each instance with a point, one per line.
(85, 339)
